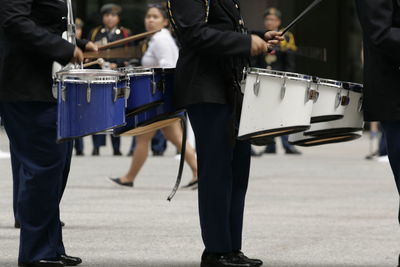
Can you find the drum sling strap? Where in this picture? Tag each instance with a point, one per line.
(182, 161)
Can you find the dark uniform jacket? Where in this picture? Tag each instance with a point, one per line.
(101, 36)
(211, 53)
(380, 20)
(30, 41)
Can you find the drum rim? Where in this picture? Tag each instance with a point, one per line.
(270, 132)
(330, 83)
(88, 72)
(280, 74)
(351, 136)
(353, 87)
(93, 80)
(141, 71)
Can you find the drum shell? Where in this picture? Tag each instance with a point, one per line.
(156, 115)
(147, 86)
(328, 106)
(352, 121)
(78, 117)
(268, 114)
(300, 139)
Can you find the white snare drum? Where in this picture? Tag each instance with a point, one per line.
(300, 139)
(275, 103)
(353, 119)
(330, 104)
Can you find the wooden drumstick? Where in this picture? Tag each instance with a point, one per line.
(99, 61)
(128, 40)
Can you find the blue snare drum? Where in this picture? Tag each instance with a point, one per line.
(157, 117)
(89, 101)
(147, 87)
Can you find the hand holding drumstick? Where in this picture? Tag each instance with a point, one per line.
(260, 46)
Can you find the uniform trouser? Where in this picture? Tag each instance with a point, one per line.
(100, 140)
(42, 176)
(158, 143)
(285, 144)
(78, 144)
(223, 176)
(392, 134)
(382, 145)
(15, 166)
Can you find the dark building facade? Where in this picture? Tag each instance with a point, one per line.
(332, 26)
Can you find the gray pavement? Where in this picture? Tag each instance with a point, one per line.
(329, 207)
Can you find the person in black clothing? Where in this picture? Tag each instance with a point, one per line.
(282, 59)
(30, 41)
(380, 21)
(108, 32)
(214, 50)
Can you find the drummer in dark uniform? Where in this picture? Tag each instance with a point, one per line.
(282, 59)
(30, 42)
(214, 50)
(108, 32)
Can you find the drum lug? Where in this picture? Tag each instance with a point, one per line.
(55, 89)
(88, 93)
(127, 89)
(63, 93)
(153, 87)
(115, 93)
(360, 104)
(127, 92)
(283, 88)
(339, 100)
(256, 86)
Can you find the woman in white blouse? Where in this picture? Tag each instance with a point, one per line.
(162, 52)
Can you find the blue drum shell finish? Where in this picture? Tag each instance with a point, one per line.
(147, 87)
(78, 117)
(163, 112)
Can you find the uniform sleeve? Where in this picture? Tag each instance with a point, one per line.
(20, 28)
(376, 17)
(195, 33)
(81, 43)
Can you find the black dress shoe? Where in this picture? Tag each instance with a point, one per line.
(79, 153)
(399, 262)
(117, 153)
(62, 223)
(96, 151)
(43, 263)
(118, 182)
(254, 262)
(222, 260)
(191, 185)
(70, 261)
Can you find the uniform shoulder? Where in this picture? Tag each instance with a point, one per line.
(94, 32)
